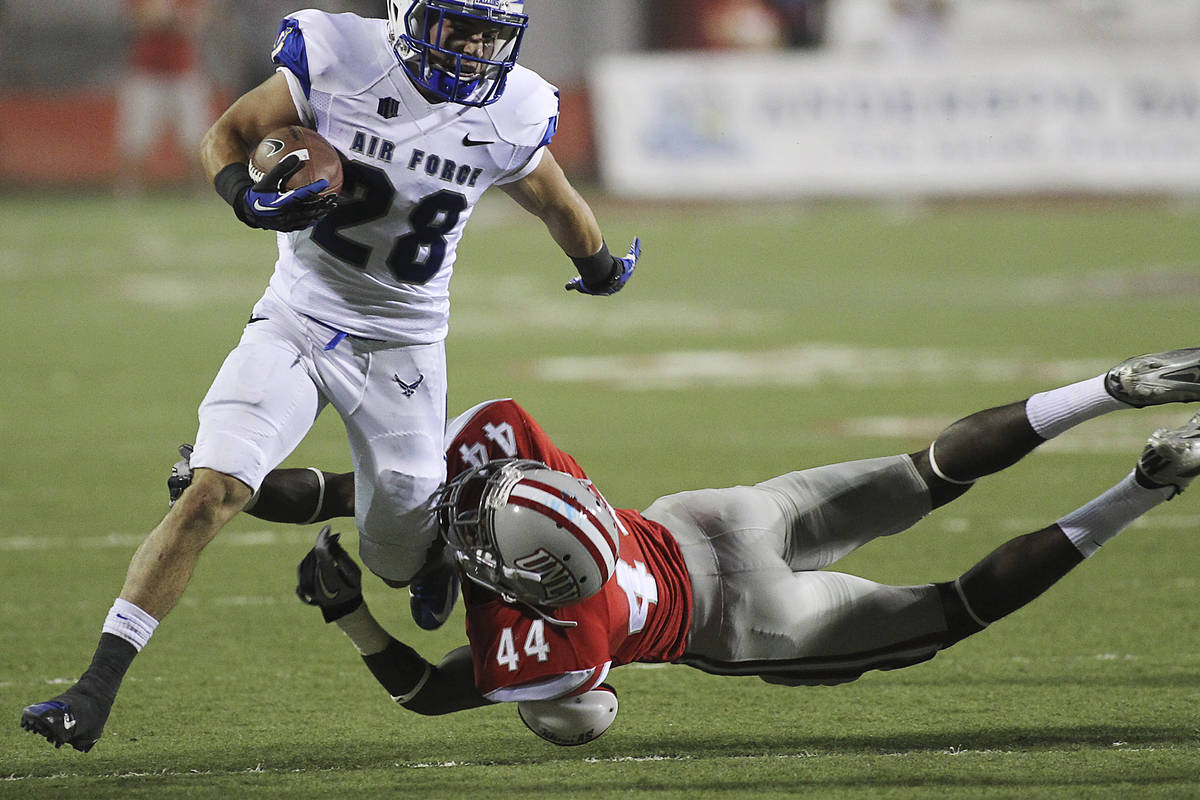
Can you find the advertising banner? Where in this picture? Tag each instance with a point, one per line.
(701, 125)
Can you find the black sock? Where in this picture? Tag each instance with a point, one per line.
(103, 677)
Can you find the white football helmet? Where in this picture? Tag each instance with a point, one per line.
(429, 35)
(530, 533)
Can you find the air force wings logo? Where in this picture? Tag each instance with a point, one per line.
(409, 389)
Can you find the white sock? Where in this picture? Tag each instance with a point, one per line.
(130, 623)
(1050, 413)
(364, 630)
(1093, 524)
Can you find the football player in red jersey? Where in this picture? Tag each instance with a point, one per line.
(562, 588)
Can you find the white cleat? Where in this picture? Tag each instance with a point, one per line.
(1156, 378)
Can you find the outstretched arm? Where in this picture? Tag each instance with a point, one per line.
(330, 579)
(420, 686)
(547, 194)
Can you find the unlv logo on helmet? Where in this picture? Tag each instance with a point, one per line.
(557, 582)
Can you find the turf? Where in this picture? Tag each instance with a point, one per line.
(753, 340)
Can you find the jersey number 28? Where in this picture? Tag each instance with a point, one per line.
(416, 256)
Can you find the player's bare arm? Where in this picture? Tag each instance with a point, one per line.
(547, 194)
(252, 116)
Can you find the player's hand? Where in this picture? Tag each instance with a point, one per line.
(181, 474)
(622, 272)
(269, 204)
(329, 578)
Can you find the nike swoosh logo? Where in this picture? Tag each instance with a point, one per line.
(280, 199)
(469, 142)
(68, 720)
(322, 588)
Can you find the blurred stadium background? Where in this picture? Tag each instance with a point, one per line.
(788, 98)
(862, 219)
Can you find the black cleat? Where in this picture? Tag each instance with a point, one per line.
(70, 718)
(432, 598)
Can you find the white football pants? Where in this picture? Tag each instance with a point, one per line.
(391, 398)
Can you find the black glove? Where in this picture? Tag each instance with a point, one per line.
(329, 578)
(619, 274)
(268, 204)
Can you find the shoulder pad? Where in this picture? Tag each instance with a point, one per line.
(312, 44)
(527, 113)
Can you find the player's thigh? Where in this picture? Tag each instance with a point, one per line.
(818, 627)
(396, 440)
(258, 409)
(709, 515)
(835, 509)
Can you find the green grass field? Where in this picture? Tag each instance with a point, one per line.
(753, 341)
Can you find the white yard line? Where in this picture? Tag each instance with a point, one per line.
(811, 364)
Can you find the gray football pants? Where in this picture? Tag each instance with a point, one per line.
(763, 603)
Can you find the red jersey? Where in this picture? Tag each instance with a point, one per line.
(641, 614)
(164, 42)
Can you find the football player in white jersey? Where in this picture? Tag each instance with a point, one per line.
(429, 108)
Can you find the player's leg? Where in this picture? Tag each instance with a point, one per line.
(761, 605)
(396, 429)
(259, 407)
(1021, 569)
(755, 618)
(814, 627)
(991, 440)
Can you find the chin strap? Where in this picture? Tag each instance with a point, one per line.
(561, 623)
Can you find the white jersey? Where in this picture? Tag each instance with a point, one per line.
(379, 266)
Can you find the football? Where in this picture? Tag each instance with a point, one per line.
(571, 720)
(321, 159)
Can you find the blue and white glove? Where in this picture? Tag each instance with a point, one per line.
(268, 204)
(618, 276)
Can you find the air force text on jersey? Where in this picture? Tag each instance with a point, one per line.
(435, 166)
